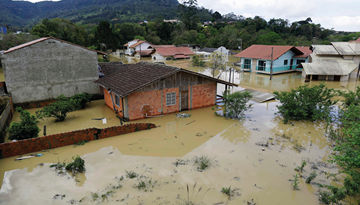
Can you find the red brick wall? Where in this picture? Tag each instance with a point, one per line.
(203, 95)
(108, 101)
(148, 103)
(63, 139)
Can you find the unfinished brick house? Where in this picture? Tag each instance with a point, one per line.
(141, 90)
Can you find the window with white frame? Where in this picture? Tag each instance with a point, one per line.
(170, 99)
(117, 100)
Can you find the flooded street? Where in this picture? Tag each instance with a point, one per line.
(255, 156)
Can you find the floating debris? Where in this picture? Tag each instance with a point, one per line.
(183, 115)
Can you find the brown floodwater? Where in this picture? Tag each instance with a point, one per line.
(256, 156)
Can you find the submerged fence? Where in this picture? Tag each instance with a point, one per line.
(10, 149)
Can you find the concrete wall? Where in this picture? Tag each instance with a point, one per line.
(48, 69)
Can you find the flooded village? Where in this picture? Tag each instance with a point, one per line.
(169, 122)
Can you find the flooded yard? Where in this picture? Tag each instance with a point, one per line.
(255, 156)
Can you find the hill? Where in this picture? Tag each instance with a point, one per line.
(23, 13)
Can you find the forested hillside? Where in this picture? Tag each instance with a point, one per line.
(92, 27)
(23, 13)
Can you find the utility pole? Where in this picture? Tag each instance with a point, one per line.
(271, 65)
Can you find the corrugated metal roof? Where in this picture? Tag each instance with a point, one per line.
(264, 52)
(343, 48)
(324, 50)
(329, 66)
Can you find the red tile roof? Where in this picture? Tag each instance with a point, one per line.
(172, 51)
(44, 39)
(124, 79)
(179, 56)
(264, 52)
(305, 49)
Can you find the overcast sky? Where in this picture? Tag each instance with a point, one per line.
(342, 15)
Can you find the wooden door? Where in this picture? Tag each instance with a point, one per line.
(184, 100)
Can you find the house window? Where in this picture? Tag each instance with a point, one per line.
(298, 62)
(285, 62)
(117, 100)
(170, 99)
(261, 65)
(247, 63)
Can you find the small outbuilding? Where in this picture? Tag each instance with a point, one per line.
(48, 67)
(139, 47)
(141, 90)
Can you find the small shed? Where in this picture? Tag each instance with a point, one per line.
(141, 90)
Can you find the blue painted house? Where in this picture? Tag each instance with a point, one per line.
(257, 58)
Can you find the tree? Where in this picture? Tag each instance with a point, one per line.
(236, 104)
(218, 62)
(196, 61)
(104, 37)
(58, 109)
(62, 29)
(188, 13)
(26, 128)
(306, 103)
(80, 100)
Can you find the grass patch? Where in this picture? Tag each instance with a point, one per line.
(131, 174)
(202, 163)
(311, 177)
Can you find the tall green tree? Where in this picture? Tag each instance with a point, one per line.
(188, 13)
(105, 37)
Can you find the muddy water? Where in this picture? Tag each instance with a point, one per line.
(234, 148)
(255, 156)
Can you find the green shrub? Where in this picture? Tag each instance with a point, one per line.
(351, 98)
(58, 109)
(306, 103)
(76, 166)
(80, 100)
(236, 104)
(26, 128)
(196, 61)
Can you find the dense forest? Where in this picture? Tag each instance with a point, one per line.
(230, 30)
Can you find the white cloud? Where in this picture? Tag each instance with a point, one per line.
(340, 15)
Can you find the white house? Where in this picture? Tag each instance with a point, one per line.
(143, 48)
(336, 62)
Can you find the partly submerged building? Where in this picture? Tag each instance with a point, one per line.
(48, 67)
(163, 53)
(141, 90)
(139, 47)
(257, 58)
(336, 62)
